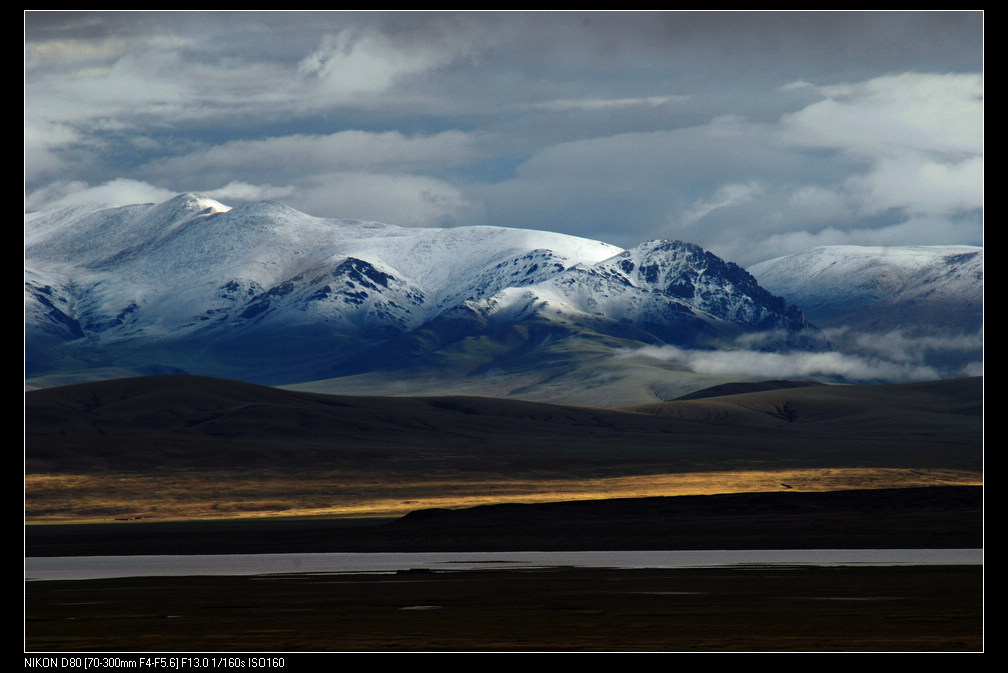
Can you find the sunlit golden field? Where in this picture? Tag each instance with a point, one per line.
(187, 447)
(81, 498)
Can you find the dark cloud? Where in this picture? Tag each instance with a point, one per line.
(751, 133)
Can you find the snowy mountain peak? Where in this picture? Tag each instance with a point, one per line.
(840, 260)
(190, 203)
(218, 287)
(703, 281)
(834, 282)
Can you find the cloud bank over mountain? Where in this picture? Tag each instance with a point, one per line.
(752, 134)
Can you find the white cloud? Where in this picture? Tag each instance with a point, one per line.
(247, 192)
(892, 356)
(406, 200)
(41, 141)
(920, 135)
(114, 193)
(800, 84)
(895, 115)
(920, 186)
(566, 105)
(897, 346)
(166, 95)
(815, 203)
(150, 83)
(725, 197)
(363, 62)
(295, 156)
(789, 365)
(921, 230)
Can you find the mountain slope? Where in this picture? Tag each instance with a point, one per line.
(882, 287)
(922, 305)
(264, 293)
(158, 446)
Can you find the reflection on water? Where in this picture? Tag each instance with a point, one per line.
(95, 567)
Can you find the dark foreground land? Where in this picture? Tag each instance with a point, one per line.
(920, 608)
(909, 518)
(723, 609)
(185, 448)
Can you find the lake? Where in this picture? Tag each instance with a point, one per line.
(98, 567)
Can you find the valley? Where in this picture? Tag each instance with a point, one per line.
(183, 447)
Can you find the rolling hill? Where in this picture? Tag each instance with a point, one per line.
(194, 447)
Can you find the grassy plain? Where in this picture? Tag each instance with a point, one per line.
(84, 498)
(187, 447)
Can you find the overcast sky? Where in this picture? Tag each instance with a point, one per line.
(752, 134)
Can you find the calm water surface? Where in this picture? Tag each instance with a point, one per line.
(96, 567)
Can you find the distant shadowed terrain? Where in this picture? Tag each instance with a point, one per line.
(182, 447)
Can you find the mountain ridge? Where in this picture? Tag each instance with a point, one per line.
(838, 283)
(259, 287)
(920, 304)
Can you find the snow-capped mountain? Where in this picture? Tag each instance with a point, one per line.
(936, 288)
(677, 291)
(145, 269)
(920, 305)
(265, 293)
